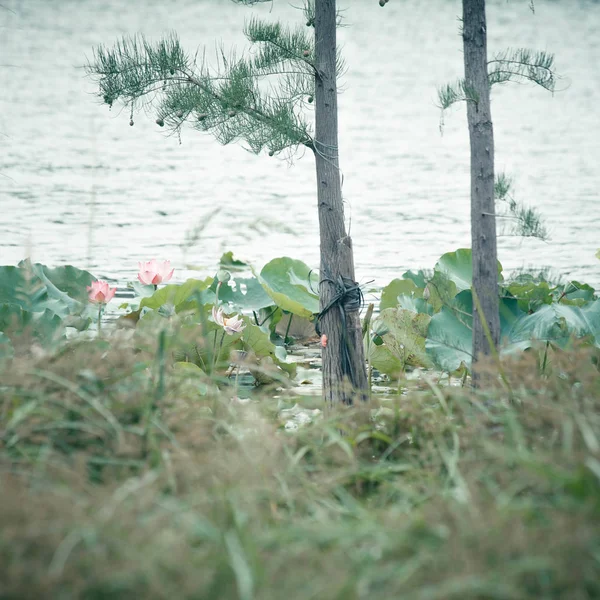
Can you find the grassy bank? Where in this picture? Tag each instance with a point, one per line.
(122, 477)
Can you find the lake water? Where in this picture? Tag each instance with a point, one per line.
(78, 185)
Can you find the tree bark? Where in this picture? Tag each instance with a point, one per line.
(344, 372)
(483, 219)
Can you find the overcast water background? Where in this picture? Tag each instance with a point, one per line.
(78, 185)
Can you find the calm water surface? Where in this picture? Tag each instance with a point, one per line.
(79, 186)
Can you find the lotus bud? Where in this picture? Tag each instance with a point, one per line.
(223, 276)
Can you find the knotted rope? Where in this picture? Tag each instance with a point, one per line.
(348, 297)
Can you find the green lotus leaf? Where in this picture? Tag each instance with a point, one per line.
(230, 263)
(575, 293)
(556, 323)
(269, 318)
(191, 379)
(141, 290)
(458, 268)
(47, 327)
(244, 294)
(16, 288)
(531, 295)
(397, 287)
(70, 280)
(449, 340)
(192, 337)
(58, 301)
(207, 345)
(288, 283)
(420, 278)
(6, 349)
(384, 360)
(188, 368)
(257, 341)
(403, 333)
(441, 291)
(150, 323)
(543, 325)
(182, 296)
(36, 288)
(510, 313)
(417, 305)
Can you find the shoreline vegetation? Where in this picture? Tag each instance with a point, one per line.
(167, 457)
(273, 433)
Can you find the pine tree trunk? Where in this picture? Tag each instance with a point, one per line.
(483, 219)
(344, 372)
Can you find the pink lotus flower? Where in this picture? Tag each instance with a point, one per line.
(100, 293)
(230, 325)
(153, 272)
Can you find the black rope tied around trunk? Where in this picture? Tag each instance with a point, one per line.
(347, 298)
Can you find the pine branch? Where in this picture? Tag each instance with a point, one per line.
(502, 186)
(450, 94)
(135, 67)
(511, 65)
(526, 221)
(227, 101)
(259, 99)
(522, 64)
(308, 9)
(279, 47)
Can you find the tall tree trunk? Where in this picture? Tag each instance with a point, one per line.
(483, 219)
(344, 372)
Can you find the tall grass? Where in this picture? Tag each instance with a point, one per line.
(122, 477)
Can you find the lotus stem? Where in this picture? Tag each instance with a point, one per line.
(285, 337)
(366, 335)
(367, 319)
(99, 318)
(218, 352)
(215, 354)
(268, 316)
(545, 359)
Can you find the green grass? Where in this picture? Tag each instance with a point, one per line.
(122, 478)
